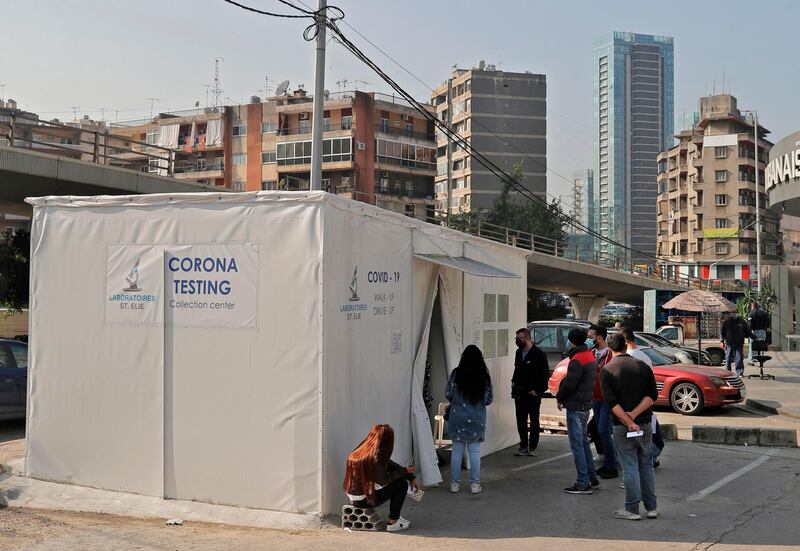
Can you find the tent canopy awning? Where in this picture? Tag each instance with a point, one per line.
(466, 265)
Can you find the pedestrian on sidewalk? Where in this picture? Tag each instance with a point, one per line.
(469, 390)
(528, 384)
(629, 389)
(759, 323)
(734, 331)
(372, 478)
(636, 352)
(602, 414)
(575, 395)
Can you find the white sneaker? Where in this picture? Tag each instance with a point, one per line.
(401, 524)
(475, 488)
(598, 458)
(624, 514)
(455, 487)
(652, 514)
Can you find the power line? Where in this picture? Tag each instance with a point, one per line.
(271, 14)
(449, 132)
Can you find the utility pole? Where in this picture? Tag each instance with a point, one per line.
(319, 99)
(449, 122)
(758, 207)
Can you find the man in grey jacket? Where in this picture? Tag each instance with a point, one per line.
(575, 395)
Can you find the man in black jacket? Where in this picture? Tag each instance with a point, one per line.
(575, 395)
(531, 372)
(734, 331)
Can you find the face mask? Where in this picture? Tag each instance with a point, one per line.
(590, 343)
(520, 343)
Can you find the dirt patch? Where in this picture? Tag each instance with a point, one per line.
(12, 450)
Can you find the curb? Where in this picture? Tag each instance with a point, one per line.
(745, 436)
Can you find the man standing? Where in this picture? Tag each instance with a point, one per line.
(528, 384)
(602, 414)
(734, 331)
(759, 323)
(575, 394)
(632, 349)
(629, 389)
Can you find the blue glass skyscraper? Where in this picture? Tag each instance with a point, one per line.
(633, 122)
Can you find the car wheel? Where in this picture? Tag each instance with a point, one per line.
(686, 398)
(717, 356)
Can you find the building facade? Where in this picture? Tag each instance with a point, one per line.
(502, 115)
(633, 122)
(707, 197)
(376, 148)
(580, 242)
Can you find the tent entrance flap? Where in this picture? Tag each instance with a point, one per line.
(466, 265)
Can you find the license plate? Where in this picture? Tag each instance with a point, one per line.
(743, 392)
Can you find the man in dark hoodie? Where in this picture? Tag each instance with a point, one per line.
(575, 395)
(531, 373)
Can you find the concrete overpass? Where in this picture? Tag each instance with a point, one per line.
(25, 173)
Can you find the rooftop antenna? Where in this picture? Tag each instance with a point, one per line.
(282, 88)
(216, 90)
(342, 84)
(500, 63)
(153, 101)
(74, 112)
(207, 87)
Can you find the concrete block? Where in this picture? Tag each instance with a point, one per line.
(708, 434)
(741, 436)
(669, 431)
(778, 438)
(358, 518)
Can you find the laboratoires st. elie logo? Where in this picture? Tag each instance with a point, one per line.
(132, 278)
(354, 287)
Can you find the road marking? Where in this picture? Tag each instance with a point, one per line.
(542, 462)
(733, 476)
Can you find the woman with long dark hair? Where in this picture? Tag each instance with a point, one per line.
(469, 390)
(372, 478)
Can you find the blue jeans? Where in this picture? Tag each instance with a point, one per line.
(579, 445)
(603, 415)
(457, 457)
(762, 335)
(735, 356)
(636, 457)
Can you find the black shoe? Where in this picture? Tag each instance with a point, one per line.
(575, 489)
(606, 473)
(595, 483)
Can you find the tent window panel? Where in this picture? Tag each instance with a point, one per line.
(502, 308)
(489, 308)
(490, 343)
(502, 343)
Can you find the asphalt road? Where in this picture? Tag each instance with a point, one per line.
(708, 495)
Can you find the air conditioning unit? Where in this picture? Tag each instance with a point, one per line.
(303, 116)
(361, 146)
(397, 123)
(384, 183)
(385, 174)
(405, 117)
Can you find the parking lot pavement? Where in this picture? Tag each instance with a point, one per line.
(708, 495)
(12, 443)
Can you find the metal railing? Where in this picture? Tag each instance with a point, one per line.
(94, 145)
(391, 129)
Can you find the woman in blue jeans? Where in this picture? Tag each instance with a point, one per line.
(469, 390)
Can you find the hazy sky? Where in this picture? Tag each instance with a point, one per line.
(113, 54)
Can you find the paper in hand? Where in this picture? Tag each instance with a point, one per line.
(636, 433)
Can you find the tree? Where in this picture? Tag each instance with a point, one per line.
(14, 269)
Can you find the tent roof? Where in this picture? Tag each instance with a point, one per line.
(254, 197)
(467, 265)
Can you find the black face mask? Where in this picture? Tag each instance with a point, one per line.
(520, 343)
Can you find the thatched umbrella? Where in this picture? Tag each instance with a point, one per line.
(700, 302)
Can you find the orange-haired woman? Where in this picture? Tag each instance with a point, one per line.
(372, 478)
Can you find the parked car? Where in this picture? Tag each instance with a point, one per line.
(675, 333)
(688, 389)
(13, 379)
(681, 354)
(551, 337)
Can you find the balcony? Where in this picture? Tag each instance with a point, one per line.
(411, 164)
(306, 130)
(391, 130)
(195, 172)
(389, 192)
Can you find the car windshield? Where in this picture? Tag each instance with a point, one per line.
(657, 357)
(658, 339)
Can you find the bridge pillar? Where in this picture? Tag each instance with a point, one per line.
(587, 307)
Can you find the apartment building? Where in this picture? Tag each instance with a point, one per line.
(707, 197)
(376, 148)
(581, 243)
(633, 122)
(501, 114)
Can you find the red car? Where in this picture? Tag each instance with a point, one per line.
(687, 388)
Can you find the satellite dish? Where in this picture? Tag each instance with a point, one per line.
(282, 87)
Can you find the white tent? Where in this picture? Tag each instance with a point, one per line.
(233, 348)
